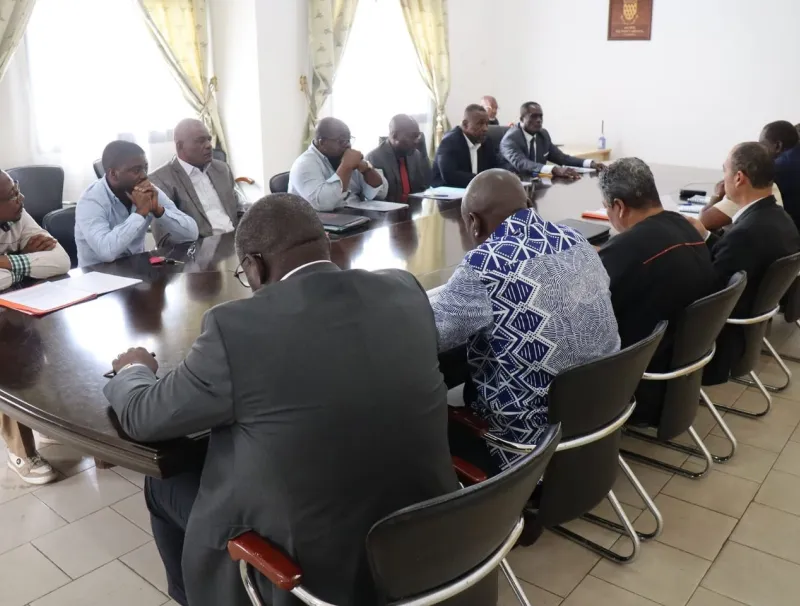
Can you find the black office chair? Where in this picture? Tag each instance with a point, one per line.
(441, 551)
(774, 285)
(61, 225)
(695, 334)
(43, 187)
(495, 136)
(279, 184)
(98, 168)
(790, 307)
(592, 402)
(220, 155)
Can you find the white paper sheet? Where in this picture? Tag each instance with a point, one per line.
(45, 297)
(98, 283)
(443, 193)
(378, 205)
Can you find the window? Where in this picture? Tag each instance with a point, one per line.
(97, 75)
(378, 77)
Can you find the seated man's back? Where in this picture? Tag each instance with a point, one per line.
(658, 266)
(530, 301)
(327, 410)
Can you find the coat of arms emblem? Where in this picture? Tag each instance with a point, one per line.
(630, 8)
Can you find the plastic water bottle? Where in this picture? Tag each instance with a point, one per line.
(601, 141)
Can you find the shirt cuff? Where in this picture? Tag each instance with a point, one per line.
(546, 169)
(334, 178)
(127, 366)
(708, 234)
(20, 267)
(587, 163)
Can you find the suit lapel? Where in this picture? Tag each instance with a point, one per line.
(184, 180)
(392, 165)
(224, 193)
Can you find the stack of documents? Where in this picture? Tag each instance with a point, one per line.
(379, 205)
(443, 193)
(51, 296)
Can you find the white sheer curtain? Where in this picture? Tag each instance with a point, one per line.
(96, 75)
(378, 77)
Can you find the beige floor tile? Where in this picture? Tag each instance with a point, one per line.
(770, 530)
(661, 573)
(771, 374)
(91, 542)
(85, 493)
(11, 486)
(134, 477)
(112, 584)
(770, 432)
(718, 491)
(595, 592)
(654, 451)
(25, 574)
(704, 597)
(535, 595)
(789, 461)
(725, 394)
(781, 491)
(703, 424)
(652, 479)
(748, 462)
(553, 563)
(24, 519)
(753, 577)
(687, 527)
(599, 535)
(134, 509)
(796, 435)
(146, 562)
(66, 460)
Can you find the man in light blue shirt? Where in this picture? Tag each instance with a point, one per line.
(330, 173)
(113, 214)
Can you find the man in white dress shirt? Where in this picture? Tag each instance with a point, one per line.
(199, 185)
(26, 250)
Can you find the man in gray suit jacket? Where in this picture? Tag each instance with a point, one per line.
(406, 168)
(326, 407)
(200, 186)
(527, 147)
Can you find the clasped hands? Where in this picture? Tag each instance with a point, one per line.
(145, 198)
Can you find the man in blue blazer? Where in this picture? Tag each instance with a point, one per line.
(463, 152)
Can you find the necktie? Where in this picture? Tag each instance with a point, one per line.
(404, 181)
(532, 153)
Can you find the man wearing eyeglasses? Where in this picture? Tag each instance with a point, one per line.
(330, 173)
(26, 251)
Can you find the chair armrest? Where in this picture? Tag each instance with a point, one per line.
(280, 569)
(464, 417)
(247, 180)
(467, 472)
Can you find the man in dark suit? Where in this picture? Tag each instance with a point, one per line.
(783, 143)
(761, 233)
(462, 154)
(200, 186)
(652, 248)
(309, 464)
(406, 169)
(527, 147)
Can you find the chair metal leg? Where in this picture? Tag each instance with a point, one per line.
(626, 527)
(753, 415)
(249, 585)
(723, 425)
(701, 450)
(788, 357)
(514, 582)
(784, 369)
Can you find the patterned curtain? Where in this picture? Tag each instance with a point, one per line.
(329, 23)
(14, 16)
(180, 28)
(427, 24)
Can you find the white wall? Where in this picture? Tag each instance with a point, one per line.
(713, 74)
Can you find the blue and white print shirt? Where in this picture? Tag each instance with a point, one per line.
(531, 301)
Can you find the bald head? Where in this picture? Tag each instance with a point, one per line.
(489, 103)
(332, 139)
(193, 142)
(331, 128)
(403, 134)
(491, 197)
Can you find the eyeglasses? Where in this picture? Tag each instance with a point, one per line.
(15, 194)
(342, 140)
(239, 271)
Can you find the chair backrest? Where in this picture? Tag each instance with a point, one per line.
(791, 309)
(585, 399)
(98, 168)
(435, 543)
(61, 225)
(279, 184)
(43, 187)
(220, 155)
(776, 281)
(496, 134)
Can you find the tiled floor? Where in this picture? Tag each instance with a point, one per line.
(729, 539)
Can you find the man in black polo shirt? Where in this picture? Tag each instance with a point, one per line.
(658, 265)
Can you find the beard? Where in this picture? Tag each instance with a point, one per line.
(335, 161)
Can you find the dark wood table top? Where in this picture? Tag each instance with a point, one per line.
(51, 368)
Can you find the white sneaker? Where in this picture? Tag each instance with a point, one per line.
(44, 440)
(33, 470)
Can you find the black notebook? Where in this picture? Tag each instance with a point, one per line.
(596, 233)
(336, 223)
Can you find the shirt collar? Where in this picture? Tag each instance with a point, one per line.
(470, 143)
(296, 269)
(744, 208)
(189, 168)
(528, 136)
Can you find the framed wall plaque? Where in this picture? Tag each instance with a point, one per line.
(630, 19)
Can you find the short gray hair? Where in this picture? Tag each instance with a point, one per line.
(754, 161)
(277, 223)
(629, 180)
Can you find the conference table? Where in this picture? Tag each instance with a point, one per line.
(52, 367)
